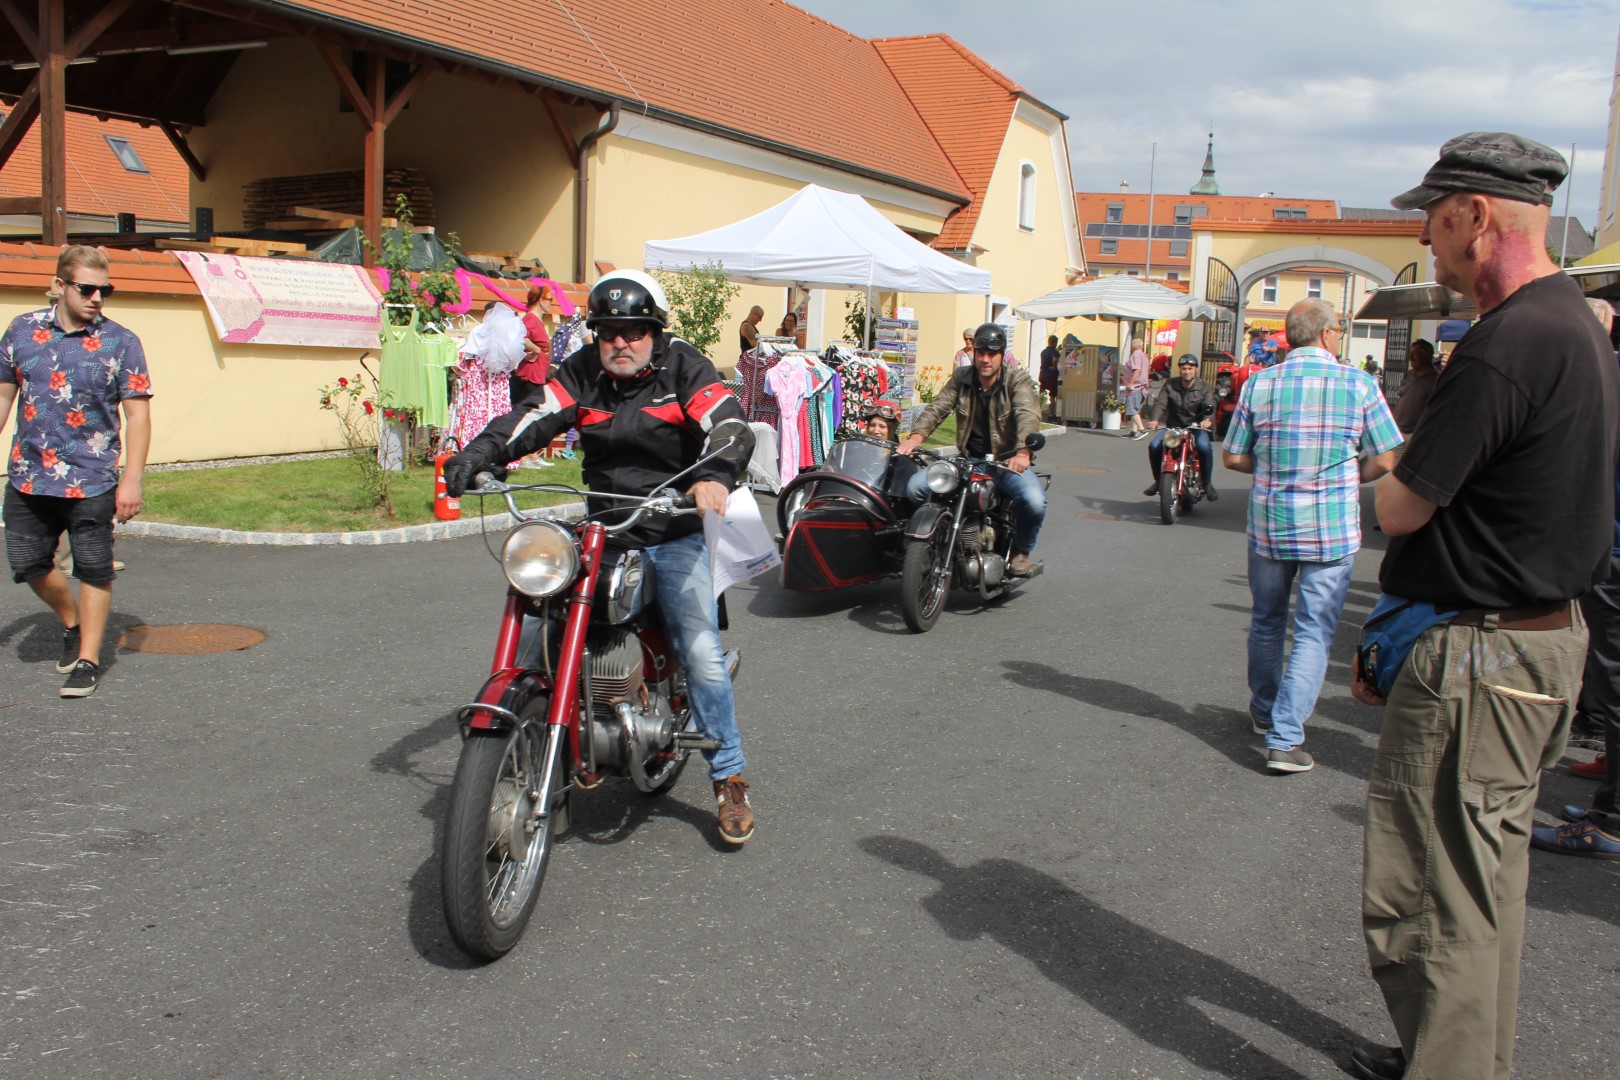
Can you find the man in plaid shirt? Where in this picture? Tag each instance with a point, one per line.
(1311, 430)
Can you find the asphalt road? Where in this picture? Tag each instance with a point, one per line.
(1035, 842)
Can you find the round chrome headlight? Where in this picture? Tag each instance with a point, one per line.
(540, 558)
(1172, 440)
(941, 478)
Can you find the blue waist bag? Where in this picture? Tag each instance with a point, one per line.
(1387, 637)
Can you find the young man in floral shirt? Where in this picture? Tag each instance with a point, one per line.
(69, 369)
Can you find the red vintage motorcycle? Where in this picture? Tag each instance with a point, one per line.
(583, 686)
(1181, 476)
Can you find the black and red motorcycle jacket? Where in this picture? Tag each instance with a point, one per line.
(634, 433)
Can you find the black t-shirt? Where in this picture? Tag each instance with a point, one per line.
(979, 438)
(1517, 450)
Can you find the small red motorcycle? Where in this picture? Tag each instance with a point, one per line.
(1181, 476)
(584, 685)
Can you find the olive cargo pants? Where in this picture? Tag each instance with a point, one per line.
(1474, 717)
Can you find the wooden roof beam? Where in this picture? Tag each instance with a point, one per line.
(94, 27)
(558, 121)
(183, 148)
(19, 120)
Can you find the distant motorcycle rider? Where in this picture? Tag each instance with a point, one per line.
(1186, 402)
(643, 401)
(997, 407)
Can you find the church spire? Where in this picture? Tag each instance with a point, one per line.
(1206, 184)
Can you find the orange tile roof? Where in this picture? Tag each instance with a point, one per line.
(1092, 206)
(97, 183)
(759, 68)
(966, 103)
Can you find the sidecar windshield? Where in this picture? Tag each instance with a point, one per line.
(860, 457)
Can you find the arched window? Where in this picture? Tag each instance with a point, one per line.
(1026, 196)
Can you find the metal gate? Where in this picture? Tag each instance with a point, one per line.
(1221, 289)
(1398, 337)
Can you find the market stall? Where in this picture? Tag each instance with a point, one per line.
(820, 239)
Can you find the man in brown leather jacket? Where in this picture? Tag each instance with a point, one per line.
(997, 408)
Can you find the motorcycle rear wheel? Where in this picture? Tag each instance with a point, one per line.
(925, 578)
(495, 855)
(1169, 499)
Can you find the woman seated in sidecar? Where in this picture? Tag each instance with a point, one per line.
(843, 523)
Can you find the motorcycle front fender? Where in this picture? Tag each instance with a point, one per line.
(929, 519)
(501, 701)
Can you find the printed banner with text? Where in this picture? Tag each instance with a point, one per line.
(287, 301)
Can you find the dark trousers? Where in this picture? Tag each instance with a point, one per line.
(1600, 690)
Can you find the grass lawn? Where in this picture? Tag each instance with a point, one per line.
(320, 495)
(944, 435)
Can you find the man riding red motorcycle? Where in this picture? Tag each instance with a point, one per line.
(1185, 402)
(643, 401)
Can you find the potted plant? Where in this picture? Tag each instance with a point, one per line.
(1112, 409)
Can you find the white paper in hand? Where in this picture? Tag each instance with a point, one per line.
(740, 546)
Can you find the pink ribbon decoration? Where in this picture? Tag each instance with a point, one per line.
(464, 282)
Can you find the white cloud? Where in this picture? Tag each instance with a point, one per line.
(1349, 102)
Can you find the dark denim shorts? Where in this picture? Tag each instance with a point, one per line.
(35, 523)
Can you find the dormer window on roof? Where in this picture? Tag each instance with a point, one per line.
(1116, 212)
(127, 157)
(1283, 213)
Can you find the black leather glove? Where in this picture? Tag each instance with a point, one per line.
(460, 470)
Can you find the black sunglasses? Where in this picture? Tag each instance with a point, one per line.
(87, 291)
(628, 333)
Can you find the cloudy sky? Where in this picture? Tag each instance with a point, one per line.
(1348, 101)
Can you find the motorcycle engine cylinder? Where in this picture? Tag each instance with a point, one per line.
(649, 730)
(617, 669)
(992, 570)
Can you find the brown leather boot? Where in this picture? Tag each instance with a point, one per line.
(736, 815)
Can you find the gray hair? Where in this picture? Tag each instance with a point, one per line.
(1307, 320)
(1604, 312)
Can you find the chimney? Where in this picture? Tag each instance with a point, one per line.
(1124, 187)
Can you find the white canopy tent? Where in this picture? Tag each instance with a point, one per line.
(1121, 297)
(821, 239)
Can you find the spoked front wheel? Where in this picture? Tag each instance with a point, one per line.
(925, 578)
(496, 846)
(1169, 498)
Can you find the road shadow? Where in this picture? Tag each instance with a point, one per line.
(37, 637)
(1151, 984)
(424, 913)
(874, 606)
(1223, 729)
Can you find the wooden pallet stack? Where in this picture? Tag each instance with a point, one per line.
(270, 199)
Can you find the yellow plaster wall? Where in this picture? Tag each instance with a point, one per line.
(500, 177)
(642, 192)
(217, 401)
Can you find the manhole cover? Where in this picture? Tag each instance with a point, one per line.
(190, 638)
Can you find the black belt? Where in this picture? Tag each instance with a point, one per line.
(1539, 617)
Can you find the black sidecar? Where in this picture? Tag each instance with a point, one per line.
(843, 523)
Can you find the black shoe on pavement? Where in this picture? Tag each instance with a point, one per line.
(1379, 1063)
(1210, 493)
(70, 651)
(82, 681)
(1151, 489)
(1289, 761)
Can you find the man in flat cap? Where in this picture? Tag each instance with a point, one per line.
(1499, 517)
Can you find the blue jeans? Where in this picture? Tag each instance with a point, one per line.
(1206, 453)
(1285, 697)
(685, 590)
(1024, 490)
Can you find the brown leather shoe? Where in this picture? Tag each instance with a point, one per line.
(736, 815)
(1018, 565)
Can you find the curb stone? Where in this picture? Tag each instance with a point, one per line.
(436, 530)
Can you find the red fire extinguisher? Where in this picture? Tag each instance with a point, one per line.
(444, 507)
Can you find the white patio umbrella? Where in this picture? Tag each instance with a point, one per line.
(1121, 297)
